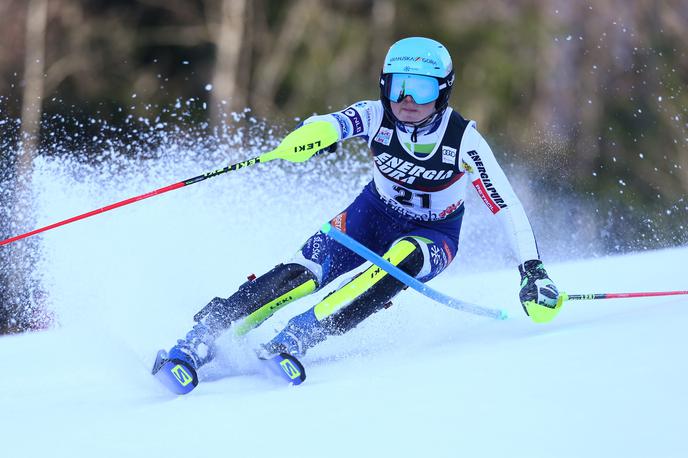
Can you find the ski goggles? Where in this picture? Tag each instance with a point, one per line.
(423, 89)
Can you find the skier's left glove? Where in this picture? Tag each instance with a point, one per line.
(539, 297)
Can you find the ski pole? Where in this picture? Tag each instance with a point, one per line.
(298, 146)
(408, 280)
(589, 297)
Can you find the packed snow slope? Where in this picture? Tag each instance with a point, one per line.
(606, 378)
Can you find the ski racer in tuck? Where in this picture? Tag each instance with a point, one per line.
(426, 157)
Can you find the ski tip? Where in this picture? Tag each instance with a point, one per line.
(292, 368)
(159, 361)
(176, 375)
(287, 368)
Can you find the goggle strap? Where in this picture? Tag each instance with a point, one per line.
(441, 86)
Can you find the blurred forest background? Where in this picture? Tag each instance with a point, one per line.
(588, 98)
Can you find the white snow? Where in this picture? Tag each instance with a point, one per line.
(606, 378)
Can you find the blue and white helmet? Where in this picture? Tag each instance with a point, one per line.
(419, 67)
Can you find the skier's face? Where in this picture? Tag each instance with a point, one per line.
(409, 111)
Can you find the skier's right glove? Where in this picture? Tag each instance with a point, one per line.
(539, 297)
(330, 149)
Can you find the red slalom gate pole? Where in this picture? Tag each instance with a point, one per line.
(298, 146)
(94, 212)
(587, 297)
(132, 200)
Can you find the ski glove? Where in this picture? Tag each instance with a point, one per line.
(539, 296)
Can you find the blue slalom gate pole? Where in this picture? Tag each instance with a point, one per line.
(408, 280)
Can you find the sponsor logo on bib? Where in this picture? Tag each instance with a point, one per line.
(384, 136)
(448, 155)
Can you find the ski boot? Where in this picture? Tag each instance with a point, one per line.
(280, 355)
(301, 333)
(177, 368)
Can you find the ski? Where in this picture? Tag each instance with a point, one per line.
(286, 367)
(175, 374)
(180, 378)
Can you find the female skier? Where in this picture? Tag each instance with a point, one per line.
(425, 159)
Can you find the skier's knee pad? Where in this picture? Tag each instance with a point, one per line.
(277, 283)
(411, 254)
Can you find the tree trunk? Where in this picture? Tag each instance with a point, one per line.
(229, 42)
(34, 64)
(20, 307)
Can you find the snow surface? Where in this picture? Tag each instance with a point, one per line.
(606, 378)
